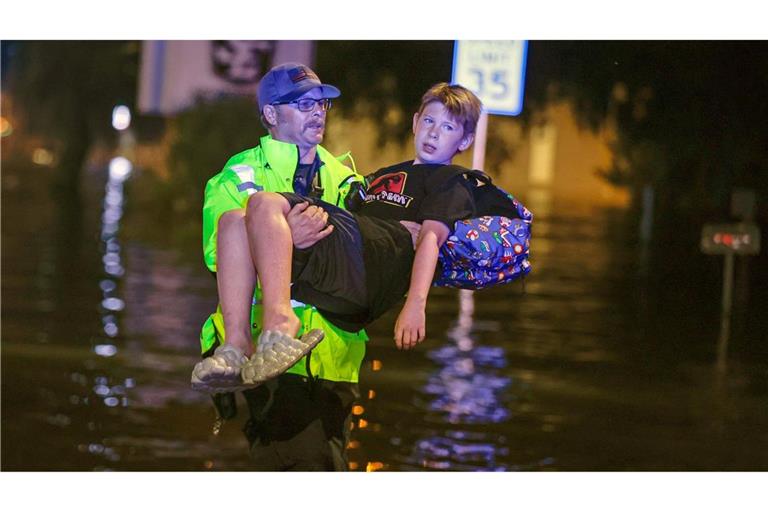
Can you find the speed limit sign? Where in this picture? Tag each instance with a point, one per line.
(494, 70)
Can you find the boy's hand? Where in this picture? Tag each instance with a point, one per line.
(309, 225)
(410, 327)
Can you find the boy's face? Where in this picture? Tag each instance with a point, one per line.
(437, 135)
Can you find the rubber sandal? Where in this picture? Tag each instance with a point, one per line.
(276, 353)
(220, 373)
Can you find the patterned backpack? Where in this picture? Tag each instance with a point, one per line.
(488, 250)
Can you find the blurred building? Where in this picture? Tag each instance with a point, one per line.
(173, 73)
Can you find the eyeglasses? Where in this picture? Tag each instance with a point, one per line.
(308, 104)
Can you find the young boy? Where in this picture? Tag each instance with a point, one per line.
(386, 249)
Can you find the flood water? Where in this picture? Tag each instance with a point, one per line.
(606, 361)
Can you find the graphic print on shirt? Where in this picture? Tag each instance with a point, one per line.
(389, 189)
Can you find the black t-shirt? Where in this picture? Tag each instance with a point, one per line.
(404, 192)
(305, 178)
(418, 192)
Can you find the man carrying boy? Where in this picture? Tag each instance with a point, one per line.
(296, 421)
(389, 247)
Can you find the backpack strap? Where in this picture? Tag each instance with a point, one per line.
(455, 170)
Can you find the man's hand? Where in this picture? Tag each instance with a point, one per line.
(410, 327)
(309, 224)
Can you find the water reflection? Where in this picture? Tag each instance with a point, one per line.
(105, 345)
(467, 390)
(119, 171)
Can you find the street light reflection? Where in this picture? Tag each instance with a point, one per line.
(374, 466)
(121, 117)
(42, 156)
(119, 169)
(105, 350)
(5, 127)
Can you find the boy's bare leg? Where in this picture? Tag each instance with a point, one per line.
(271, 245)
(257, 240)
(235, 279)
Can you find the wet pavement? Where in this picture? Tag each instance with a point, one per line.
(606, 360)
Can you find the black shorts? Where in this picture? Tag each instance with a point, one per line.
(358, 272)
(330, 275)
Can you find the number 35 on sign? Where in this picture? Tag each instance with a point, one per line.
(494, 70)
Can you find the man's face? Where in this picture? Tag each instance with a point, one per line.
(305, 129)
(437, 135)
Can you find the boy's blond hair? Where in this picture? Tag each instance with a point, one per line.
(462, 103)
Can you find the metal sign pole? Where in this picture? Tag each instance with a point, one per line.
(495, 72)
(467, 297)
(741, 238)
(725, 315)
(478, 152)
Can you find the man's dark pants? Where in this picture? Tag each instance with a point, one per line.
(300, 424)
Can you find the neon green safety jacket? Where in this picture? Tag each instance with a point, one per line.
(270, 167)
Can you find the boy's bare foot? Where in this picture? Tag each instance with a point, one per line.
(244, 345)
(282, 320)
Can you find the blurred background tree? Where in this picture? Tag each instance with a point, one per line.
(66, 90)
(690, 116)
(206, 134)
(376, 77)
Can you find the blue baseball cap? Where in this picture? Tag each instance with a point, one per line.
(289, 81)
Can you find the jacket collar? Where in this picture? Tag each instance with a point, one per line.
(279, 154)
(286, 155)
